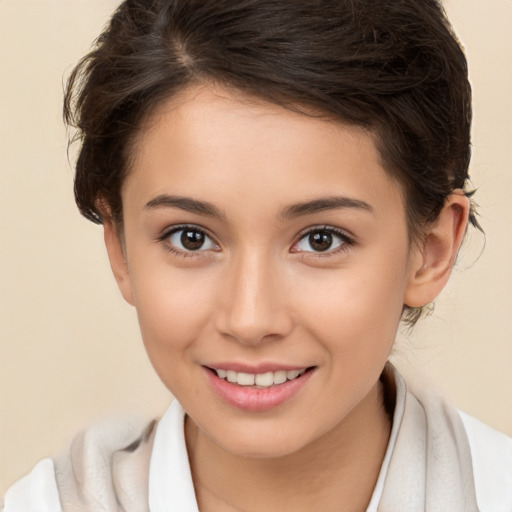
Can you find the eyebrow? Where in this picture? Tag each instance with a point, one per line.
(184, 203)
(322, 204)
(296, 210)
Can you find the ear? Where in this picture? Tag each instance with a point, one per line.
(432, 261)
(118, 262)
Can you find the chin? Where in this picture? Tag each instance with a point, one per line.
(261, 443)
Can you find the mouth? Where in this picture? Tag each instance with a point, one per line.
(257, 387)
(259, 380)
(264, 390)
(258, 392)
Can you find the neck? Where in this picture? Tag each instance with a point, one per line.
(335, 472)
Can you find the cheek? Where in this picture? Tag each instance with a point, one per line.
(356, 311)
(173, 308)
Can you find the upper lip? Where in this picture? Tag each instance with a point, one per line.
(252, 368)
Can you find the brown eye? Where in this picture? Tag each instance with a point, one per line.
(190, 239)
(321, 241)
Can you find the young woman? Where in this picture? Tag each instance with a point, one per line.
(280, 185)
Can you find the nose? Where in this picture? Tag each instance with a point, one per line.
(254, 303)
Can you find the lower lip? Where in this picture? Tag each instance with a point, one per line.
(257, 399)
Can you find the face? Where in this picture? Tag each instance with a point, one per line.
(266, 248)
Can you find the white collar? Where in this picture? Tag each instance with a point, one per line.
(170, 482)
(401, 391)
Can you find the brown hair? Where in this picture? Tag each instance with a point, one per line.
(393, 67)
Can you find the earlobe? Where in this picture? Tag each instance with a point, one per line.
(117, 259)
(431, 262)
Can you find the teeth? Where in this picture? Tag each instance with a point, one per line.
(245, 379)
(280, 377)
(263, 380)
(292, 374)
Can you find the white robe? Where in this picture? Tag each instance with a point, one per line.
(438, 460)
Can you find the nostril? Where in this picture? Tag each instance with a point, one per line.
(254, 327)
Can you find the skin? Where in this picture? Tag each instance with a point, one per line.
(258, 292)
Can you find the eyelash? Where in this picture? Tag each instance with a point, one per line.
(345, 241)
(164, 239)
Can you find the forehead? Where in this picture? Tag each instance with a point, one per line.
(213, 140)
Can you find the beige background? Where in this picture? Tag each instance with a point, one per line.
(69, 347)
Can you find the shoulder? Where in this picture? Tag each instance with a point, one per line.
(491, 452)
(35, 492)
(98, 461)
(463, 459)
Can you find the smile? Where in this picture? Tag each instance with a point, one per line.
(257, 392)
(259, 380)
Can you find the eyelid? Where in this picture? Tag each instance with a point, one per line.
(347, 240)
(170, 230)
